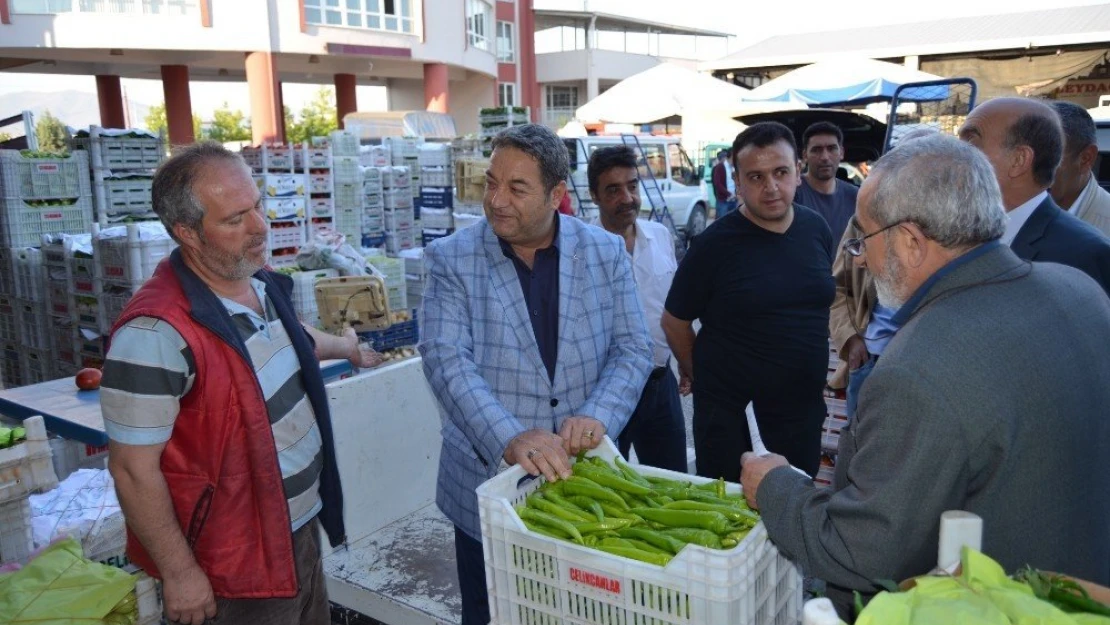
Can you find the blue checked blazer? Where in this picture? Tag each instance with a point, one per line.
(483, 363)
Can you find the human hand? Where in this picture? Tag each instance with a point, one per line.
(188, 596)
(857, 352)
(753, 469)
(581, 434)
(539, 452)
(361, 355)
(685, 381)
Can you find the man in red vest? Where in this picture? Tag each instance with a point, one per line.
(221, 440)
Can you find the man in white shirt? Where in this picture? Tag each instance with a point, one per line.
(1076, 189)
(656, 429)
(1023, 140)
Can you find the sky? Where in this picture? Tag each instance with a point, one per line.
(749, 22)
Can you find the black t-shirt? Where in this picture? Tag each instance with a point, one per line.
(763, 299)
(836, 207)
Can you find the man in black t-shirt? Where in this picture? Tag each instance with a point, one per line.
(760, 281)
(832, 198)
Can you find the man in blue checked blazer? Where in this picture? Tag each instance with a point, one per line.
(534, 341)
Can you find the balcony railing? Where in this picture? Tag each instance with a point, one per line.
(130, 7)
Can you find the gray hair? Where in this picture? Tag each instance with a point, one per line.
(945, 186)
(172, 189)
(1079, 128)
(542, 144)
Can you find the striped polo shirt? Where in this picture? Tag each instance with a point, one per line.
(149, 368)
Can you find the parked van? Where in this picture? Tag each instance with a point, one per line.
(662, 158)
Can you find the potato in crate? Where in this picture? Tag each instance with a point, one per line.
(403, 334)
(535, 578)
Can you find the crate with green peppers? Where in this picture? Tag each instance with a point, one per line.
(611, 507)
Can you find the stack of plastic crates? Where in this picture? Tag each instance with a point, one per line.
(436, 202)
(393, 272)
(304, 294)
(348, 180)
(126, 257)
(281, 178)
(25, 467)
(400, 334)
(42, 195)
(32, 322)
(122, 164)
(400, 218)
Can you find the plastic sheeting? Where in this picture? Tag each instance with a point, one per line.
(83, 506)
(841, 80)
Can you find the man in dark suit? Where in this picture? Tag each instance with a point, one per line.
(1024, 141)
(991, 398)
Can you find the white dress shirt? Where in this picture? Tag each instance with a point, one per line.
(1020, 215)
(653, 268)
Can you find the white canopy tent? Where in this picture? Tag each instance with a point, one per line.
(839, 80)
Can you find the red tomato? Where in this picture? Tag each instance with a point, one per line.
(88, 379)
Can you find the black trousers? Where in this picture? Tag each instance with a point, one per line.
(657, 428)
(471, 565)
(790, 426)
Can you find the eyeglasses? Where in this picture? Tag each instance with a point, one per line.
(854, 247)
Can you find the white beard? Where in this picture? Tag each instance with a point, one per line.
(887, 285)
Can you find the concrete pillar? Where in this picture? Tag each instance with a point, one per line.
(179, 107)
(346, 98)
(267, 119)
(110, 96)
(435, 87)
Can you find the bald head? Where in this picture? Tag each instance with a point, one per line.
(1022, 138)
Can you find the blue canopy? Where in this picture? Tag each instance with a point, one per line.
(842, 81)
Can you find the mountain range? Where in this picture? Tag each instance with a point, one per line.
(78, 109)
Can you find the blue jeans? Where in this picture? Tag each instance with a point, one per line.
(657, 428)
(855, 383)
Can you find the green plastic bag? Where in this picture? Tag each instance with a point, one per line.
(62, 587)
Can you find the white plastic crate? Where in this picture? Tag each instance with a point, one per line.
(16, 536)
(53, 178)
(399, 240)
(27, 274)
(284, 258)
(124, 196)
(373, 199)
(437, 218)
(321, 207)
(414, 263)
(64, 339)
(392, 270)
(837, 407)
(27, 466)
(321, 225)
(375, 156)
(399, 219)
(285, 234)
(534, 579)
(24, 221)
(348, 221)
(373, 223)
(398, 198)
(11, 371)
(120, 152)
(304, 293)
(32, 323)
(277, 158)
(395, 177)
(347, 195)
(54, 254)
(6, 286)
(112, 302)
(57, 297)
(280, 185)
(316, 157)
(434, 155)
(9, 331)
(344, 143)
(132, 258)
(148, 600)
(319, 183)
(437, 177)
(346, 169)
(284, 207)
(70, 455)
(85, 310)
(371, 177)
(82, 274)
(38, 365)
(402, 147)
(465, 220)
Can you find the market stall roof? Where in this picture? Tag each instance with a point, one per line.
(550, 18)
(841, 80)
(667, 90)
(1074, 25)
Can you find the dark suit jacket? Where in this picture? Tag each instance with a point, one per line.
(1051, 235)
(992, 398)
(720, 184)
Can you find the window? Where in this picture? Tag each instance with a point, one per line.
(506, 94)
(506, 53)
(656, 161)
(682, 170)
(562, 97)
(391, 15)
(479, 16)
(147, 7)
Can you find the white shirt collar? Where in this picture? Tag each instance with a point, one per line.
(1087, 190)
(1020, 215)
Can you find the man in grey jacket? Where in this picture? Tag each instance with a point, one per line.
(992, 397)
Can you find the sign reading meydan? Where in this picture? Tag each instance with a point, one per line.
(1083, 91)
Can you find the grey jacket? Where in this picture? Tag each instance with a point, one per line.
(994, 397)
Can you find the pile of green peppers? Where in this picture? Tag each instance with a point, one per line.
(614, 509)
(10, 436)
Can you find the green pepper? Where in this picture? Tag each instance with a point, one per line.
(705, 538)
(545, 531)
(610, 479)
(629, 473)
(738, 535)
(662, 481)
(578, 485)
(563, 502)
(552, 521)
(661, 541)
(607, 526)
(614, 511)
(728, 543)
(597, 511)
(565, 514)
(645, 546)
(712, 521)
(730, 512)
(636, 554)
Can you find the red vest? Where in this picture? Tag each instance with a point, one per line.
(221, 463)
